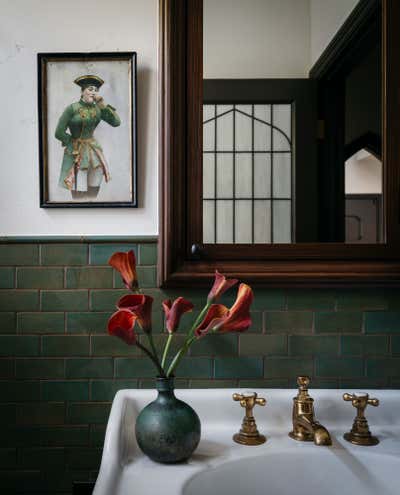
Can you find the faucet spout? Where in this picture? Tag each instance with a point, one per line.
(316, 432)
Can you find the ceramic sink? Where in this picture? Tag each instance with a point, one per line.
(280, 466)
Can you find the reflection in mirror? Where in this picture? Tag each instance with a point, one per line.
(292, 122)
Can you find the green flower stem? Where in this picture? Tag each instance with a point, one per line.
(153, 348)
(189, 340)
(166, 349)
(153, 358)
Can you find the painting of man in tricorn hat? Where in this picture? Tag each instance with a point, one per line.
(84, 165)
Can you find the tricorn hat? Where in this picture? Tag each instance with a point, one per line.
(84, 81)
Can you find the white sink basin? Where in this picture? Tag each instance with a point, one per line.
(324, 472)
(280, 466)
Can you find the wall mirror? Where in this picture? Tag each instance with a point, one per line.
(279, 161)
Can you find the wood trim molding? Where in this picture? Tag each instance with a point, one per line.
(313, 265)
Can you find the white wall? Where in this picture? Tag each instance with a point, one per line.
(326, 18)
(31, 26)
(256, 38)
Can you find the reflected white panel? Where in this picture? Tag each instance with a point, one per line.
(243, 128)
(224, 128)
(244, 175)
(208, 128)
(262, 222)
(208, 222)
(262, 175)
(282, 120)
(282, 214)
(208, 175)
(225, 175)
(243, 222)
(262, 131)
(224, 222)
(282, 169)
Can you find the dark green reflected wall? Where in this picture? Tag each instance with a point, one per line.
(59, 370)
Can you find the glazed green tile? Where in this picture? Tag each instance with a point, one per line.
(262, 345)
(364, 345)
(59, 481)
(395, 344)
(40, 322)
(148, 254)
(342, 367)
(107, 345)
(8, 322)
(8, 458)
(379, 368)
(213, 383)
(177, 342)
(20, 436)
(341, 321)
(150, 383)
(65, 390)
(18, 346)
(67, 345)
(90, 278)
(87, 322)
(7, 368)
(88, 413)
(37, 457)
(19, 254)
(134, 368)
(289, 322)
(64, 254)
(257, 325)
(357, 384)
(300, 345)
(39, 368)
(8, 414)
(382, 322)
(287, 367)
(19, 300)
(194, 367)
(65, 300)
(330, 383)
(16, 482)
(40, 278)
(361, 299)
(147, 276)
(216, 345)
(97, 435)
(105, 390)
(243, 367)
(105, 300)
(301, 299)
(101, 253)
(19, 391)
(7, 278)
(392, 297)
(268, 299)
(83, 458)
(273, 383)
(41, 413)
(89, 368)
(62, 436)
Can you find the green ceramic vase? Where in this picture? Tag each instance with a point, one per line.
(167, 429)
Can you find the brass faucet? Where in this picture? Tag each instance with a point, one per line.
(305, 428)
(360, 434)
(248, 434)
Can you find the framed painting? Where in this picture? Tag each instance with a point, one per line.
(87, 129)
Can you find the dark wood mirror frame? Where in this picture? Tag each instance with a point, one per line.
(180, 138)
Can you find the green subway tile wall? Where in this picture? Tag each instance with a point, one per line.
(59, 369)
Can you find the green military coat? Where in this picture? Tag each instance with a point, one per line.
(82, 151)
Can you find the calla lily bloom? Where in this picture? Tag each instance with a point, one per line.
(140, 306)
(125, 263)
(221, 319)
(121, 324)
(221, 285)
(174, 311)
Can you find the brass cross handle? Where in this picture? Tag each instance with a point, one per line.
(248, 434)
(360, 434)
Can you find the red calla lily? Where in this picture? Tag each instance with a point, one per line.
(221, 319)
(221, 285)
(174, 311)
(121, 324)
(140, 306)
(125, 263)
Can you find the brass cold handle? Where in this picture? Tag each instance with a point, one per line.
(248, 434)
(249, 401)
(360, 401)
(360, 434)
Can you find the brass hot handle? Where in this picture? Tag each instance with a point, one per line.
(373, 402)
(249, 401)
(360, 401)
